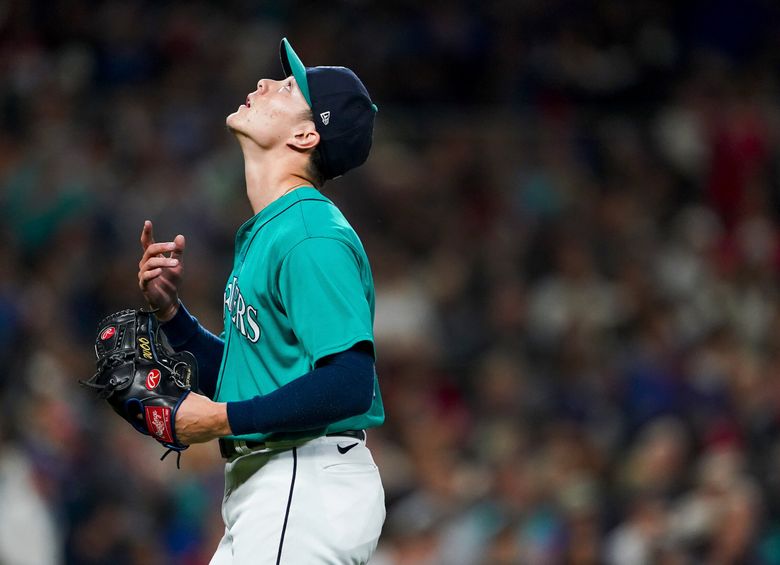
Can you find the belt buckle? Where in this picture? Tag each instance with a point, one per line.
(240, 447)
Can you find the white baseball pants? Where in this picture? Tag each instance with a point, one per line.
(320, 502)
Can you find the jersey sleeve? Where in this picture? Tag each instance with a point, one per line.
(322, 292)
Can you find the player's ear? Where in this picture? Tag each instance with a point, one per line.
(304, 136)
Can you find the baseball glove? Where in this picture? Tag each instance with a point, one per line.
(140, 375)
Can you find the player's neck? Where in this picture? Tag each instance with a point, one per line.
(270, 177)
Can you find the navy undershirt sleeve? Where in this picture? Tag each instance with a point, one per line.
(185, 333)
(340, 387)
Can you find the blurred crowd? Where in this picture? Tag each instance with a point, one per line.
(571, 212)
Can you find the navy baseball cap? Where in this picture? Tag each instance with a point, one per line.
(342, 109)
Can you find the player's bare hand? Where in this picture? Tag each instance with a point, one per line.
(159, 272)
(199, 419)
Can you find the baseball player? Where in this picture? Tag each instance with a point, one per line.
(290, 386)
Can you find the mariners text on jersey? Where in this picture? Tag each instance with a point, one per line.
(243, 315)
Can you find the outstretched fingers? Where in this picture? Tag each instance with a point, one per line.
(147, 235)
(160, 271)
(151, 248)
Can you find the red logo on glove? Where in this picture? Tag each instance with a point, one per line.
(153, 379)
(108, 333)
(158, 422)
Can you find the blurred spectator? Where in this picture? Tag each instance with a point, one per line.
(28, 530)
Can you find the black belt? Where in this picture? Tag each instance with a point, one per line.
(228, 447)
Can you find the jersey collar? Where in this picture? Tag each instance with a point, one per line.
(280, 205)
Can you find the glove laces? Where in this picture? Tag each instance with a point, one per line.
(178, 455)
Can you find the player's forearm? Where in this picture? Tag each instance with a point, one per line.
(338, 390)
(185, 333)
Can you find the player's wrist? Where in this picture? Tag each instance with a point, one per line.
(221, 422)
(168, 313)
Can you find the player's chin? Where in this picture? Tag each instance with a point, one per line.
(233, 121)
(237, 121)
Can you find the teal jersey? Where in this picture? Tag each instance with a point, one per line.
(301, 289)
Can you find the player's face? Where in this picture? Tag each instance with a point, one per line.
(270, 113)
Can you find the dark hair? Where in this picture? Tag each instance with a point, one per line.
(314, 166)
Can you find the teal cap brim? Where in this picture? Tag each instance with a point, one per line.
(293, 66)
